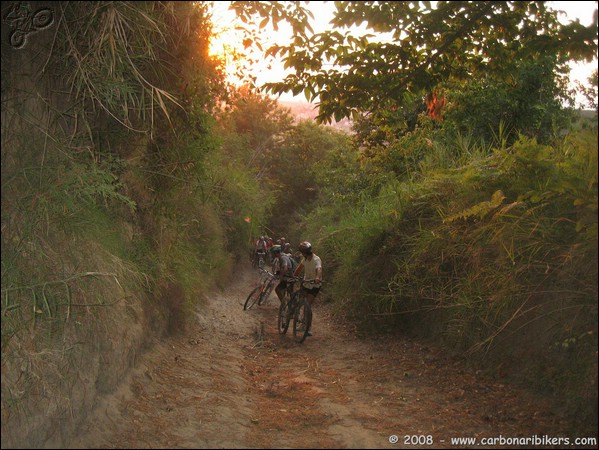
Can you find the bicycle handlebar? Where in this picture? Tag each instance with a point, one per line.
(266, 272)
(302, 280)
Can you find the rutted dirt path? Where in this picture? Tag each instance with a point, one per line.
(232, 382)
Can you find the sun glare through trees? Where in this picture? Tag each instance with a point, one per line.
(241, 47)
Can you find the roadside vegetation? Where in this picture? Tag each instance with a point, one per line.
(134, 178)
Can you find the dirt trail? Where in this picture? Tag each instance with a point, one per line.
(232, 382)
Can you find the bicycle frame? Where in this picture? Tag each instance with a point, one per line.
(268, 284)
(262, 291)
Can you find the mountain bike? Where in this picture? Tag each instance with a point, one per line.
(295, 307)
(261, 293)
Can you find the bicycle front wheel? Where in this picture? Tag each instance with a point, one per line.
(284, 317)
(302, 320)
(253, 298)
(266, 292)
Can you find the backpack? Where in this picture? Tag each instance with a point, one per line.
(291, 262)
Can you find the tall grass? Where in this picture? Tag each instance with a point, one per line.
(110, 53)
(495, 256)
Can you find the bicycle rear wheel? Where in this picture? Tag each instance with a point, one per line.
(284, 316)
(302, 320)
(253, 297)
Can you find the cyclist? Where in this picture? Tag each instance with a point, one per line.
(275, 261)
(267, 247)
(260, 246)
(283, 266)
(311, 265)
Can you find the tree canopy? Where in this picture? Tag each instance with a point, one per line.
(416, 47)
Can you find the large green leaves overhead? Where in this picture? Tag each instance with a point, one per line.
(415, 47)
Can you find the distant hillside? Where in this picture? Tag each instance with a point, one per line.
(307, 111)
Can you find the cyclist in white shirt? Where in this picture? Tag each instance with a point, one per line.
(311, 265)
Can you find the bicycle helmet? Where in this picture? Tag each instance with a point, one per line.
(305, 248)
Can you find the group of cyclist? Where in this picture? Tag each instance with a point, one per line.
(264, 244)
(287, 266)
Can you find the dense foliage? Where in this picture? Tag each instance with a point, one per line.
(417, 46)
